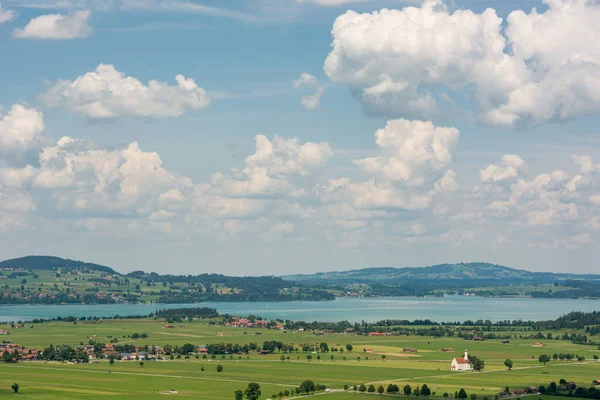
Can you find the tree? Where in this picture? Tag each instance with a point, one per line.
(141, 363)
(15, 387)
(407, 390)
(239, 395)
(252, 392)
(542, 389)
(187, 348)
(380, 389)
(349, 347)
(544, 358)
(595, 357)
(552, 387)
(362, 388)
(509, 364)
(473, 396)
(477, 363)
(111, 360)
(383, 357)
(219, 368)
(425, 391)
(307, 387)
(462, 394)
(371, 389)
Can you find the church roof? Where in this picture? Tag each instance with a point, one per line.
(462, 360)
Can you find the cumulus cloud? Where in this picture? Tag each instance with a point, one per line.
(57, 26)
(542, 67)
(6, 15)
(305, 79)
(309, 101)
(412, 168)
(107, 94)
(20, 128)
(267, 172)
(509, 168)
(331, 3)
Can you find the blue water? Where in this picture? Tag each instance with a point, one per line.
(452, 308)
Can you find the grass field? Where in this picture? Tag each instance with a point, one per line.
(127, 379)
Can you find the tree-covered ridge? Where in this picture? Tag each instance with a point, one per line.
(50, 263)
(53, 280)
(476, 271)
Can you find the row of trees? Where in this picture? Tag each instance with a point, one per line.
(253, 392)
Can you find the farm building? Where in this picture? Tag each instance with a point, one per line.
(462, 363)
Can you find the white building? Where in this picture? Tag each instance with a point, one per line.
(462, 363)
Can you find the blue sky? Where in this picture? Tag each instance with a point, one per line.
(290, 136)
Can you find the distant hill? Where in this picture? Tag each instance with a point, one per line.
(49, 263)
(462, 272)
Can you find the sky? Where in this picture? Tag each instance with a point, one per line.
(274, 137)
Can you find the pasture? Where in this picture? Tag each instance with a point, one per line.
(127, 379)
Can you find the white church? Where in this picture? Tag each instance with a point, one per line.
(462, 363)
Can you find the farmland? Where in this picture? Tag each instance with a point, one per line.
(198, 377)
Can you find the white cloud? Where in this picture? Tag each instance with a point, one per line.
(510, 167)
(311, 102)
(6, 15)
(17, 177)
(268, 171)
(57, 26)
(107, 94)
(411, 150)
(20, 129)
(408, 174)
(82, 179)
(331, 3)
(542, 67)
(305, 79)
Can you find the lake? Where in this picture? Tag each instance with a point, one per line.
(451, 308)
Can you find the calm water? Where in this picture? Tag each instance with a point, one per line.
(453, 308)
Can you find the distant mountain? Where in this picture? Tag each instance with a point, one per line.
(49, 263)
(447, 272)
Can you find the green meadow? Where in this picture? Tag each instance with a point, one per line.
(127, 379)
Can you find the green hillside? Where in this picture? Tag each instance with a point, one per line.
(455, 272)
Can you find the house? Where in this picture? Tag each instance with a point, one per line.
(368, 350)
(568, 386)
(519, 392)
(409, 350)
(377, 334)
(505, 341)
(538, 344)
(4, 332)
(596, 382)
(447, 350)
(462, 363)
(202, 349)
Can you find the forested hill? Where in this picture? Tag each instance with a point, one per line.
(463, 272)
(51, 263)
(54, 280)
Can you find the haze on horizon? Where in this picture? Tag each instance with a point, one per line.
(298, 136)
